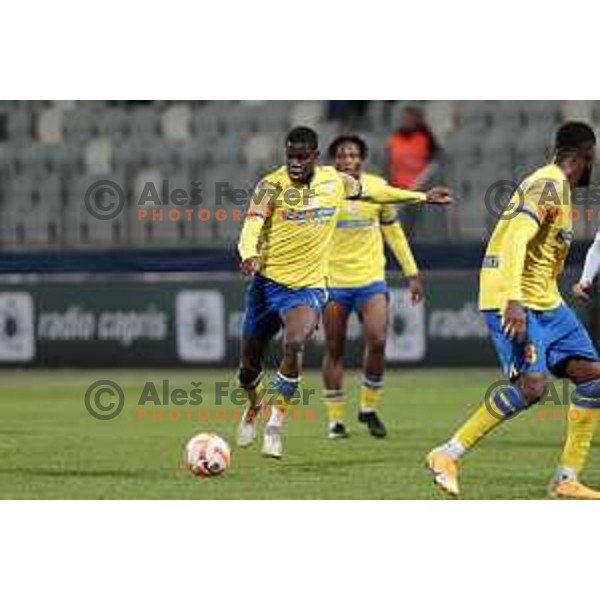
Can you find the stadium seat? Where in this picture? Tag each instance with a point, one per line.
(176, 122)
(441, 117)
(577, 110)
(82, 228)
(475, 115)
(114, 123)
(32, 211)
(205, 123)
(98, 155)
(271, 117)
(49, 126)
(80, 124)
(145, 123)
(260, 149)
(306, 113)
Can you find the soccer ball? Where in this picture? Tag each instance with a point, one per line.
(207, 455)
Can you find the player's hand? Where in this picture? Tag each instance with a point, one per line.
(416, 287)
(582, 290)
(515, 321)
(249, 266)
(438, 195)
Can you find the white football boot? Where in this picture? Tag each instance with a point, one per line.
(246, 433)
(272, 443)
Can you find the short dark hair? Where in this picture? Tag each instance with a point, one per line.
(363, 150)
(575, 135)
(303, 135)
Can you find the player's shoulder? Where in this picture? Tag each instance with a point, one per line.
(328, 172)
(331, 179)
(372, 179)
(548, 173)
(273, 179)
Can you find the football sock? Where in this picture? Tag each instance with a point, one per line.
(281, 391)
(504, 403)
(336, 405)
(254, 391)
(454, 448)
(370, 394)
(582, 421)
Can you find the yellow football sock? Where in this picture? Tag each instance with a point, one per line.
(254, 391)
(280, 393)
(370, 395)
(336, 405)
(255, 395)
(580, 431)
(506, 401)
(476, 426)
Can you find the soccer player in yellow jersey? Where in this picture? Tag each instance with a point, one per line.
(356, 282)
(284, 245)
(532, 329)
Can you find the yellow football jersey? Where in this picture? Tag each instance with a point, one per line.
(357, 254)
(539, 217)
(299, 221)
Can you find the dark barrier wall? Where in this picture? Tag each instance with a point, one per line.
(196, 321)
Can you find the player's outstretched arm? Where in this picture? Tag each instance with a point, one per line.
(591, 267)
(387, 194)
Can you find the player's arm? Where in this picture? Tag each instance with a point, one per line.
(382, 193)
(591, 268)
(523, 227)
(395, 238)
(537, 201)
(258, 210)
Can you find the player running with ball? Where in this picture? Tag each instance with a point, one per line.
(284, 245)
(532, 329)
(356, 282)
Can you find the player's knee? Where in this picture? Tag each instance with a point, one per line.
(249, 376)
(532, 387)
(376, 343)
(587, 394)
(293, 346)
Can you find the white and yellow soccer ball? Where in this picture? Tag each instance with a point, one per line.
(207, 455)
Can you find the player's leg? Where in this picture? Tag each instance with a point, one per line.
(374, 317)
(260, 324)
(250, 376)
(335, 323)
(299, 322)
(582, 420)
(573, 355)
(526, 362)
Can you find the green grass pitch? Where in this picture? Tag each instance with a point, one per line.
(50, 447)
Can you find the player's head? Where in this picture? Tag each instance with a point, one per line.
(575, 148)
(348, 153)
(302, 153)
